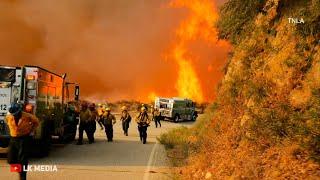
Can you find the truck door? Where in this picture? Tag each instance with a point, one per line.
(188, 110)
(7, 78)
(185, 110)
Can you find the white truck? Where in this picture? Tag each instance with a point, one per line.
(46, 92)
(10, 91)
(176, 109)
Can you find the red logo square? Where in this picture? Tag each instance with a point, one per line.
(15, 168)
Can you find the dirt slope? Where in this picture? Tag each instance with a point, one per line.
(266, 121)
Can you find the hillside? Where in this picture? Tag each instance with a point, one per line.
(265, 122)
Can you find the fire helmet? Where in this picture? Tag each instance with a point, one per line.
(124, 108)
(15, 109)
(84, 105)
(92, 106)
(143, 109)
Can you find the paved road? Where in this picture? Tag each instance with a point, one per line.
(125, 158)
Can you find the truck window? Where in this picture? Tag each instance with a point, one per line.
(5, 84)
(7, 75)
(165, 106)
(179, 104)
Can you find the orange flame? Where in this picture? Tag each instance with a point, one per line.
(188, 85)
(199, 25)
(152, 96)
(194, 74)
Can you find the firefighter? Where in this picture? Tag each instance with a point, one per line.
(125, 119)
(92, 122)
(157, 117)
(85, 115)
(143, 122)
(70, 122)
(22, 126)
(145, 106)
(101, 110)
(152, 112)
(108, 121)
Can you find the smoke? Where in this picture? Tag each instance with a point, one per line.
(113, 49)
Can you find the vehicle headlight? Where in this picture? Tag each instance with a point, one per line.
(31, 85)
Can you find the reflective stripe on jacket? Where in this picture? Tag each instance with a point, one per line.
(26, 125)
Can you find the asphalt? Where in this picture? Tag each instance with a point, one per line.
(125, 158)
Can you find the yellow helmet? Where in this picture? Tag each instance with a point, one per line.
(143, 108)
(108, 109)
(124, 108)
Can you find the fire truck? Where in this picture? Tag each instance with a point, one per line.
(47, 92)
(176, 109)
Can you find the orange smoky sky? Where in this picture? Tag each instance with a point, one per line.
(114, 49)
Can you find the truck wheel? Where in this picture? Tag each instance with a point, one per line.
(40, 148)
(194, 116)
(45, 147)
(73, 137)
(73, 134)
(46, 139)
(176, 118)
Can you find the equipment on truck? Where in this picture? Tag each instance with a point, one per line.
(42, 93)
(176, 109)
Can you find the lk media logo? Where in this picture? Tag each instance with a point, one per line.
(33, 168)
(15, 168)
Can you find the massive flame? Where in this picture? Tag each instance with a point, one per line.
(188, 85)
(111, 54)
(199, 25)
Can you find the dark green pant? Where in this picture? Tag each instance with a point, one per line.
(157, 121)
(19, 152)
(125, 127)
(87, 127)
(143, 133)
(109, 131)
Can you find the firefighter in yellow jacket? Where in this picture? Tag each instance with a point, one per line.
(92, 121)
(125, 119)
(108, 121)
(22, 126)
(100, 111)
(85, 115)
(143, 122)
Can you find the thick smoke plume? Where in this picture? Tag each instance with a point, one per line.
(113, 49)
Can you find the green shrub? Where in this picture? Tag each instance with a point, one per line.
(236, 17)
(174, 137)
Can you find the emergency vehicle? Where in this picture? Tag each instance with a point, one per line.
(176, 109)
(47, 92)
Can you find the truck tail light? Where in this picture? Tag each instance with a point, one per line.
(28, 108)
(31, 77)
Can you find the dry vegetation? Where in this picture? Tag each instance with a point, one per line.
(265, 123)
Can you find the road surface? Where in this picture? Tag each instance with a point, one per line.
(125, 158)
